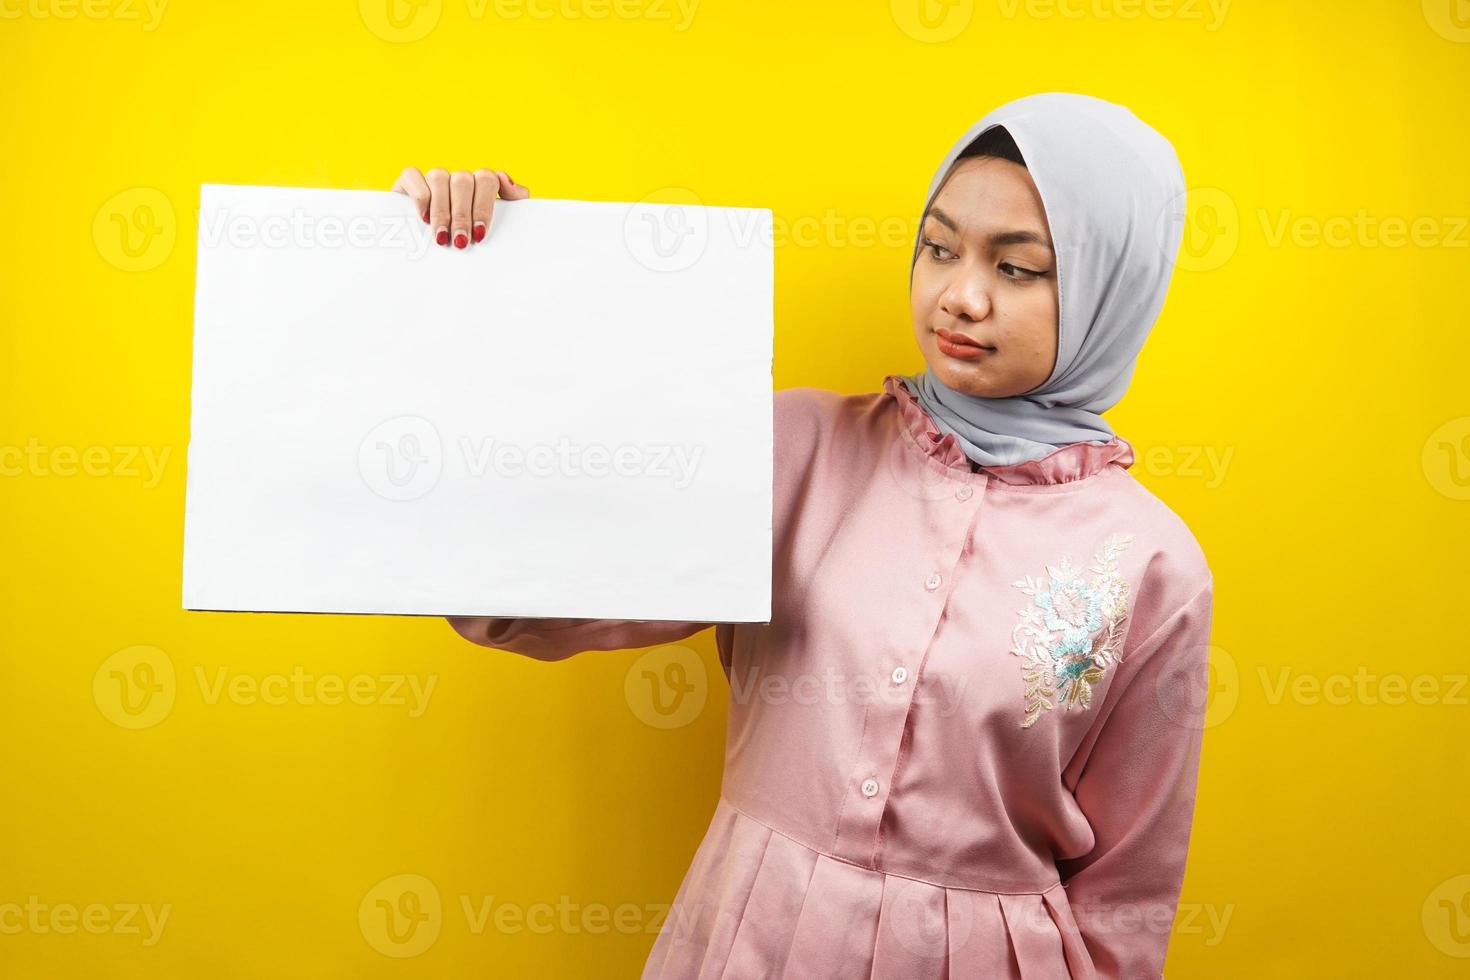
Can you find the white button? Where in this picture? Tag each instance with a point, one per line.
(900, 674)
(965, 492)
(932, 582)
(870, 786)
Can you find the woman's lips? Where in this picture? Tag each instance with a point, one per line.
(958, 345)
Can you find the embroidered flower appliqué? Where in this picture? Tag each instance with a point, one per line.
(1072, 631)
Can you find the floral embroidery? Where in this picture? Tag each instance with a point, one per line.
(1072, 631)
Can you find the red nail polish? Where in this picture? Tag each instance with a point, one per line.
(460, 241)
(426, 216)
(479, 233)
(443, 237)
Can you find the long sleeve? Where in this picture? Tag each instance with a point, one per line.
(797, 422)
(1137, 790)
(558, 639)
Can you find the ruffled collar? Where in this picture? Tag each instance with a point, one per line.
(1074, 462)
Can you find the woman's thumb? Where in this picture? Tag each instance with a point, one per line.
(510, 190)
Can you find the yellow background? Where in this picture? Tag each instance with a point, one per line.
(1322, 373)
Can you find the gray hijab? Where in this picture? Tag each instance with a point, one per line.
(1113, 192)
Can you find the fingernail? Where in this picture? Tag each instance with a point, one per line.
(443, 237)
(460, 240)
(479, 231)
(426, 215)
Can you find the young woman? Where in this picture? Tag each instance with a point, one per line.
(1004, 632)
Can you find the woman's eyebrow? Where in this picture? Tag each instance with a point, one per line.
(999, 237)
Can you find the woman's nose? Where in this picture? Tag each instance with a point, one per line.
(966, 298)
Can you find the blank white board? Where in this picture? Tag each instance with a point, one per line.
(571, 418)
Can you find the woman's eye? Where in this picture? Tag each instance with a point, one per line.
(1022, 273)
(935, 248)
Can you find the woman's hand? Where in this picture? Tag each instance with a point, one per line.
(457, 206)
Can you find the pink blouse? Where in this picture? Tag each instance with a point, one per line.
(992, 771)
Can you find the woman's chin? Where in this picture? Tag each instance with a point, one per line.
(967, 379)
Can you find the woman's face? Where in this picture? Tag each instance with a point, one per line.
(986, 273)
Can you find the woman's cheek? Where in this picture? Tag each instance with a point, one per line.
(919, 305)
(925, 297)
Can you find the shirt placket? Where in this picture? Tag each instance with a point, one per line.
(900, 674)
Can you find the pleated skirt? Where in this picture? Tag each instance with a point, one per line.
(757, 905)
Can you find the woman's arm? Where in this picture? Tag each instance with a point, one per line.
(458, 207)
(1137, 789)
(558, 639)
(797, 415)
